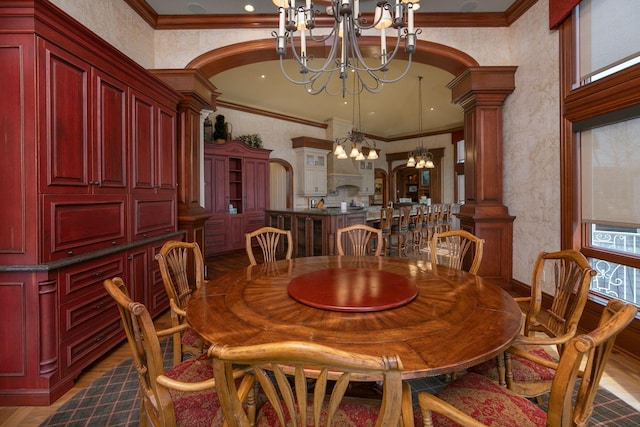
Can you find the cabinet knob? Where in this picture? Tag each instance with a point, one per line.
(70, 253)
(98, 273)
(114, 243)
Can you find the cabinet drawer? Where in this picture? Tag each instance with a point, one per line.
(84, 313)
(153, 216)
(80, 224)
(79, 351)
(87, 277)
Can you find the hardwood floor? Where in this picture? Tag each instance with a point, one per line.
(621, 377)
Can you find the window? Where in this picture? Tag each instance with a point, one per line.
(607, 40)
(610, 166)
(458, 168)
(602, 187)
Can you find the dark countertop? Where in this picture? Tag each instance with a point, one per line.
(65, 262)
(321, 211)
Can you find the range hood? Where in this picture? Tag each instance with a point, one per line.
(342, 173)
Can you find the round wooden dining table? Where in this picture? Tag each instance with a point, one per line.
(437, 320)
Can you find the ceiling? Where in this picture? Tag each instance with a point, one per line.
(388, 115)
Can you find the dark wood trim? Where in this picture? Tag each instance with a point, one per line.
(231, 56)
(481, 91)
(265, 113)
(580, 104)
(232, 21)
(307, 141)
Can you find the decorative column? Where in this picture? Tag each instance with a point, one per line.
(198, 93)
(481, 92)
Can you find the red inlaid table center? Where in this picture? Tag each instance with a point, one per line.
(352, 289)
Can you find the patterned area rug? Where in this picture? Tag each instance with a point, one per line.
(112, 400)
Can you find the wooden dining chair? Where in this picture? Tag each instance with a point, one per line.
(182, 270)
(305, 383)
(567, 276)
(361, 237)
(174, 396)
(450, 248)
(474, 400)
(268, 239)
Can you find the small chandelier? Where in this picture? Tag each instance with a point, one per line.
(421, 157)
(355, 138)
(342, 41)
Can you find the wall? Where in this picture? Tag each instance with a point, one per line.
(114, 21)
(531, 141)
(531, 128)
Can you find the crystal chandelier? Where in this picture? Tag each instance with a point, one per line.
(299, 21)
(421, 157)
(355, 138)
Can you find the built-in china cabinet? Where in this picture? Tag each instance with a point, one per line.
(89, 192)
(236, 179)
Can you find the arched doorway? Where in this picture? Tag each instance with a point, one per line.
(481, 91)
(280, 184)
(235, 55)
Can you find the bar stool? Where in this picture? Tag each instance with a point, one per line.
(400, 229)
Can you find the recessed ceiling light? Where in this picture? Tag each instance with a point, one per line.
(196, 8)
(249, 8)
(469, 6)
(262, 76)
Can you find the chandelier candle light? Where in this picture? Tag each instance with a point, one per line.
(342, 38)
(421, 157)
(356, 137)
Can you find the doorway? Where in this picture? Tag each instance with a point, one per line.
(280, 184)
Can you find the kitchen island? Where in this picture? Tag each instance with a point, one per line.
(314, 230)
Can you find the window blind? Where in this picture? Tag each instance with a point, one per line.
(611, 174)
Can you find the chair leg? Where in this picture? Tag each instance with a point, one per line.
(501, 361)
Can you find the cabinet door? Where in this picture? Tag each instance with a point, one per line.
(311, 232)
(142, 142)
(256, 185)
(165, 150)
(109, 157)
(216, 188)
(78, 224)
(66, 150)
(236, 232)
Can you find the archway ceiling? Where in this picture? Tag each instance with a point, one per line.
(391, 114)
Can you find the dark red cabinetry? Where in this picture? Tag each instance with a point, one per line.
(88, 172)
(236, 194)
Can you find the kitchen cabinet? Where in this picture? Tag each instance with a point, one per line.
(89, 185)
(236, 180)
(367, 172)
(311, 171)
